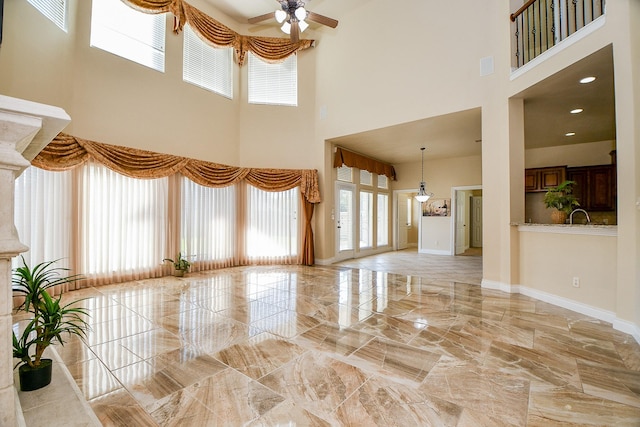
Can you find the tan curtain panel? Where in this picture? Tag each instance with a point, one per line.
(66, 152)
(270, 49)
(354, 160)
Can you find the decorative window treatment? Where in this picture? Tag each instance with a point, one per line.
(208, 224)
(270, 49)
(354, 160)
(271, 226)
(44, 209)
(122, 225)
(66, 152)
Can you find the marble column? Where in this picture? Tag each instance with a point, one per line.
(25, 128)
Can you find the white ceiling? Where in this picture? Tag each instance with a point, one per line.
(547, 104)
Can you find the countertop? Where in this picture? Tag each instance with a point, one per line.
(590, 229)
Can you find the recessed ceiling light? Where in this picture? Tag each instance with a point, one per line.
(576, 111)
(587, 79)
(569, 134)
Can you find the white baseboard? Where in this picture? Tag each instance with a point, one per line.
(434, 252)
(598, 313)
(498, 286)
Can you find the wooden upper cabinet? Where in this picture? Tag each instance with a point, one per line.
(539, 179)
(595, 186)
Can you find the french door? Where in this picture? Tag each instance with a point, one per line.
(345, 220)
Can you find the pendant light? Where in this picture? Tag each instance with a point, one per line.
(422, 195)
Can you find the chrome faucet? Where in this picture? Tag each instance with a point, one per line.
(579, 210)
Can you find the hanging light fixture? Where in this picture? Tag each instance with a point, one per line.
(422, 195)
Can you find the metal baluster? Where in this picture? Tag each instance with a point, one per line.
(517, 44)
(568, 20)
(522, 34)
(533, 30)
(575, 15)
(553, 24)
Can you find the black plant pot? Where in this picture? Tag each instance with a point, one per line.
(35, 378)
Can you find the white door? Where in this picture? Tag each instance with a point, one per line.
(404, 223)
(476, 222)
(461, 226)
(345, 220)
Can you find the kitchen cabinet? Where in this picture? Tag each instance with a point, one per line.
(595, 186)
(539, 179)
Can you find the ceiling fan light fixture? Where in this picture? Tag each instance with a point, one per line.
(281, 15)
(301, 13)
(303, 26)
(286, 28)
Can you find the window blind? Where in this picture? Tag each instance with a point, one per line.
(206, 66)
(128, 33)
(55, 10)
(274, 84)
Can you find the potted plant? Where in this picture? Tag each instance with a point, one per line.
(180, 264)
(48, 320)
(562, 199)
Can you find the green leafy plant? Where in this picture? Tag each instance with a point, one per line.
(561, 197)
(49, 320)
(180, 263)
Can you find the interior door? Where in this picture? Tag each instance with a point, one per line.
(476, 223)
(345, 221)
(403, 221)
(461, 226)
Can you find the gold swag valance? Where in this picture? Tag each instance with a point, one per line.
(351, 159)
(66, 152)
(270, 49)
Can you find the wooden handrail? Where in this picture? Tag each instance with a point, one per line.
(518, 12)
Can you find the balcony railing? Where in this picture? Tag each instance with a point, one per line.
(541, 24)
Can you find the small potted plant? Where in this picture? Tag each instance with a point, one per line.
(180, 264)
(562, 200)
(47, 321)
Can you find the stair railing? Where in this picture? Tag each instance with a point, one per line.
(541, 24)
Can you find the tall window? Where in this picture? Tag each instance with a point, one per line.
(272, 224)
(43, 215)
(208, 222)
(123, 222)
(205, 66)
(383, 219)
(366, 219)
(128, 33)
(54, 10)
(274, 84)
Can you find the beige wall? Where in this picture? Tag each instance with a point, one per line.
(549, 262)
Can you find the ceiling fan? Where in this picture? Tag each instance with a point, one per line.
(293, 16)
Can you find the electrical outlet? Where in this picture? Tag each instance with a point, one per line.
(576, 282)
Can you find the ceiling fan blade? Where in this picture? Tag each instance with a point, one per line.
(261, 18)
(321, 19)
(295, 31)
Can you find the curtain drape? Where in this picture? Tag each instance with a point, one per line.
(270, 49)
(66, 152)
(351, 159)
(307, 254)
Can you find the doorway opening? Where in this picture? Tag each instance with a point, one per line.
(405, 219)
(466, 227)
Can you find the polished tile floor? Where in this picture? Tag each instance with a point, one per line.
(399, 339)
